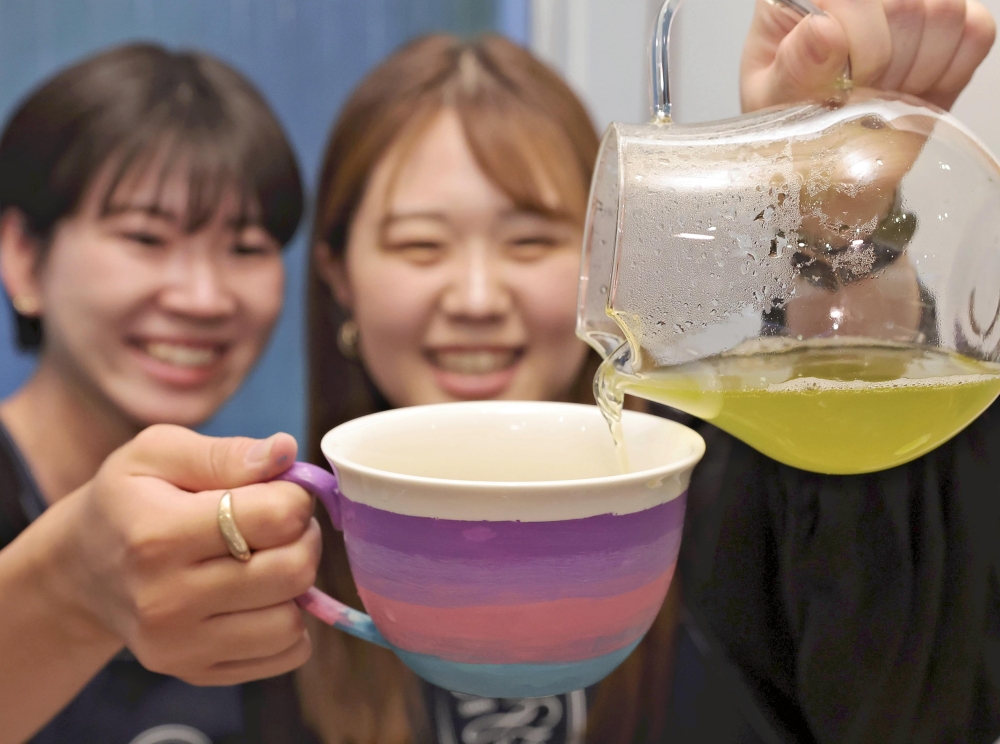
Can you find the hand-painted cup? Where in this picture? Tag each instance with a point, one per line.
(495, 545)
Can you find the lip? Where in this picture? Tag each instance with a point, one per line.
(466, 386)
(176, 375)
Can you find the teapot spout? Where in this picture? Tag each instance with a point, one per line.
(604, 343)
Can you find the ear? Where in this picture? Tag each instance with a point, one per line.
(20, 257)
(332, 270)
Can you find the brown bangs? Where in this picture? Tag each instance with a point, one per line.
(526, 148)
(527, 130)
(526, 156)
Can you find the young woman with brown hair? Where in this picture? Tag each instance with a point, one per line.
(448, 233)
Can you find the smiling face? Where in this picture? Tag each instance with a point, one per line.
(458, 294)
(158, 321)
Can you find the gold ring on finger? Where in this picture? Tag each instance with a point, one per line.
(235, 541)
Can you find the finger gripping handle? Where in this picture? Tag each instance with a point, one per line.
(320, 483)
(323, 485)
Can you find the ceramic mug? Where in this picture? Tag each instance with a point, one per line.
(495, 544)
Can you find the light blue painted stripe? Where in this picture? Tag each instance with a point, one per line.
(514, 680)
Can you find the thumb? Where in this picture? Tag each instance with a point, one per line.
(807, 65)
(194, 462)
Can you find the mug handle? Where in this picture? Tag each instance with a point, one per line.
(323, 485)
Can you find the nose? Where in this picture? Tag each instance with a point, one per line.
(476, 288)
(197, 288)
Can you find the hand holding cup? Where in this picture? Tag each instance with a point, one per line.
(147, 559)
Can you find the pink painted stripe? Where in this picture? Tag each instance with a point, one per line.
(556, 631)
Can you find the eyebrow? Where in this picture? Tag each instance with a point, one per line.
(526, 212)
(515, 213)
(394, 217)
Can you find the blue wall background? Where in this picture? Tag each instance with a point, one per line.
(305, 55)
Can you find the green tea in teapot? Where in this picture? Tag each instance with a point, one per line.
(827, 407)
(820, 280)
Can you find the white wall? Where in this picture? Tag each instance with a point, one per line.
(602, 48)
(979, 105)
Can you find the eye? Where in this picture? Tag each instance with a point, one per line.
(419, 252)
(252, 249)
(144, 237)
(532, 246)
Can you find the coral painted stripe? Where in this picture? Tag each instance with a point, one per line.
(556, 631)
(450, 538)
(460, 582)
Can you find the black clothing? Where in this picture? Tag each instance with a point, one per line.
(851, 609)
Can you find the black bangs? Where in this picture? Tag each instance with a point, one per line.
(206, 140)
(140, 107)
(210, 172)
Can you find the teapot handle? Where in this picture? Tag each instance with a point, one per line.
(661, 104)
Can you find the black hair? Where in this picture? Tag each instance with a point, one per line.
(131, 105)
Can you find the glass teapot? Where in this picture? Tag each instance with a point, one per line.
(820, 280)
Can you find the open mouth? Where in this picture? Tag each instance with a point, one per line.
(474, 361)
(186, 355)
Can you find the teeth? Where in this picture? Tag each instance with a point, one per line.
(182, 356)
(474, 362)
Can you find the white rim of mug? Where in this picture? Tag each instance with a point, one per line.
(663, 471)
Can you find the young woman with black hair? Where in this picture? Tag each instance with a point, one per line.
(145, 196)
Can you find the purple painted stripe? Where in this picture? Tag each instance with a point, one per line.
(446, 539)
(462, 582)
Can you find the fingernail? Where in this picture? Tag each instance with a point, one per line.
(260, 453)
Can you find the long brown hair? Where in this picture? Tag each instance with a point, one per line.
(527, 130)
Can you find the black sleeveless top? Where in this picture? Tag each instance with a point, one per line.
(851, 609)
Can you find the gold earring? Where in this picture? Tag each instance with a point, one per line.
(347, 338)
(25, 305)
